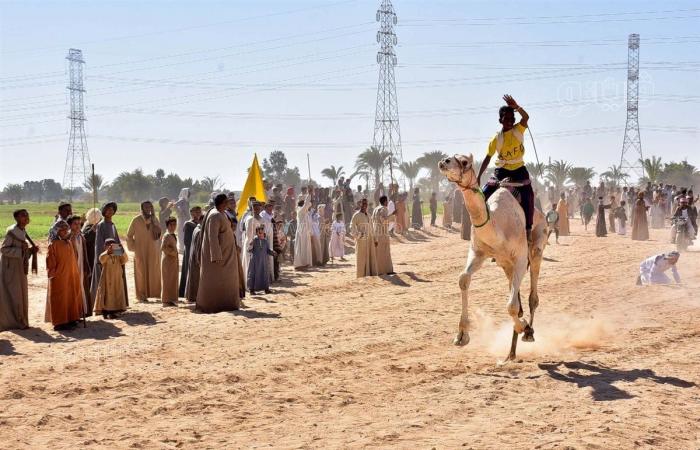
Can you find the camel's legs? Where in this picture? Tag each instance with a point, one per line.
(513, 305)
(474, 263)
(534, 299)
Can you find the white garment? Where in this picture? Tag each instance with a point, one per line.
(336, 248)
(302, 240)
(391, 207)
(78, 243)
(621, 229)
(182, 208)
(251, 224)
(652, 269)
(269, 235)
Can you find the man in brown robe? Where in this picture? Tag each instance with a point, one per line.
(84, 268)
(14, 259)
(380, 221)
(143, 238)
(365, 243)
(219, 275)
(64, 307)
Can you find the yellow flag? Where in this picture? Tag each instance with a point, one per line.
(253, 187)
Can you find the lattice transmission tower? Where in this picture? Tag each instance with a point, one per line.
(632, 143)
(77, 170)
(387, 132)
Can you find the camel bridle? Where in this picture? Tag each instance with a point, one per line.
(474, 187)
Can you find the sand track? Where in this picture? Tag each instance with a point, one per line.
(334, 362)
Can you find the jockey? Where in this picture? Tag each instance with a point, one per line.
(508, 143)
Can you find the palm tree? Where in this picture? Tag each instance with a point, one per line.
(536, 170)
(373, 160)
(579, 175)
(430, 161)
(410, 170)
(94, 184)
(210, 184)
(652, 168)
(333, 173)
(614, 175)
(557, 173)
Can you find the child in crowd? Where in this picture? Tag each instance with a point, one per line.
(64, 306)
(337, 245)
(620, 214)
(111, 295)
(552, 219)
(258, 269)
(169, 264)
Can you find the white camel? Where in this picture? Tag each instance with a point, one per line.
(498, 232)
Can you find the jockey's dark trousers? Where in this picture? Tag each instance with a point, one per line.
(527, 195)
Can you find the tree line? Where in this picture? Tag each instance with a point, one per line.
(372, 167)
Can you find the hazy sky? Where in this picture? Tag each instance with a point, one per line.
(196, 87)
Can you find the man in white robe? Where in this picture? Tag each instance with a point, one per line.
(302, 240)
(652, 269)
(251, 223)
(266, 216)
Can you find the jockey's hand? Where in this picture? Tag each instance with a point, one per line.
(510, 101)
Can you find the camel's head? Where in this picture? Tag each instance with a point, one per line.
(459, 169)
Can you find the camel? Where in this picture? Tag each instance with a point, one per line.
(498, 232)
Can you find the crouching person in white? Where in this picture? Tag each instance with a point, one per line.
(652, 269)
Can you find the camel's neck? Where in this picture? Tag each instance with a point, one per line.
(476, 207)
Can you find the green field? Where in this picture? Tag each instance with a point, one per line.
(42, 216)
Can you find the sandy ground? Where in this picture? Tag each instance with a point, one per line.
(334, 362)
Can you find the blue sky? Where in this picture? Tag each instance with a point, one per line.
(196, 87)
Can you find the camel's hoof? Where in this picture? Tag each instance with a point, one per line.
(461, 339)
(529, 334)
(506, 361)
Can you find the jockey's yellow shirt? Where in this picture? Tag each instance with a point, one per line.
(510, 148)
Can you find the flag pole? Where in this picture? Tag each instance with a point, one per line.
(308, 162)
(94, 189)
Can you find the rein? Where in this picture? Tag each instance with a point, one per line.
(488, 212)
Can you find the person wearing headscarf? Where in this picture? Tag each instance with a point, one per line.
(182, 208)
(104, 230)
(302, 239)
(252, 222)
(652, 269)
(219, 284)
(143, 239)
(640, 227)
(92, 217)
(14, 268)
(64, 307)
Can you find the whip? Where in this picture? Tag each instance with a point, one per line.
(539, 166)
